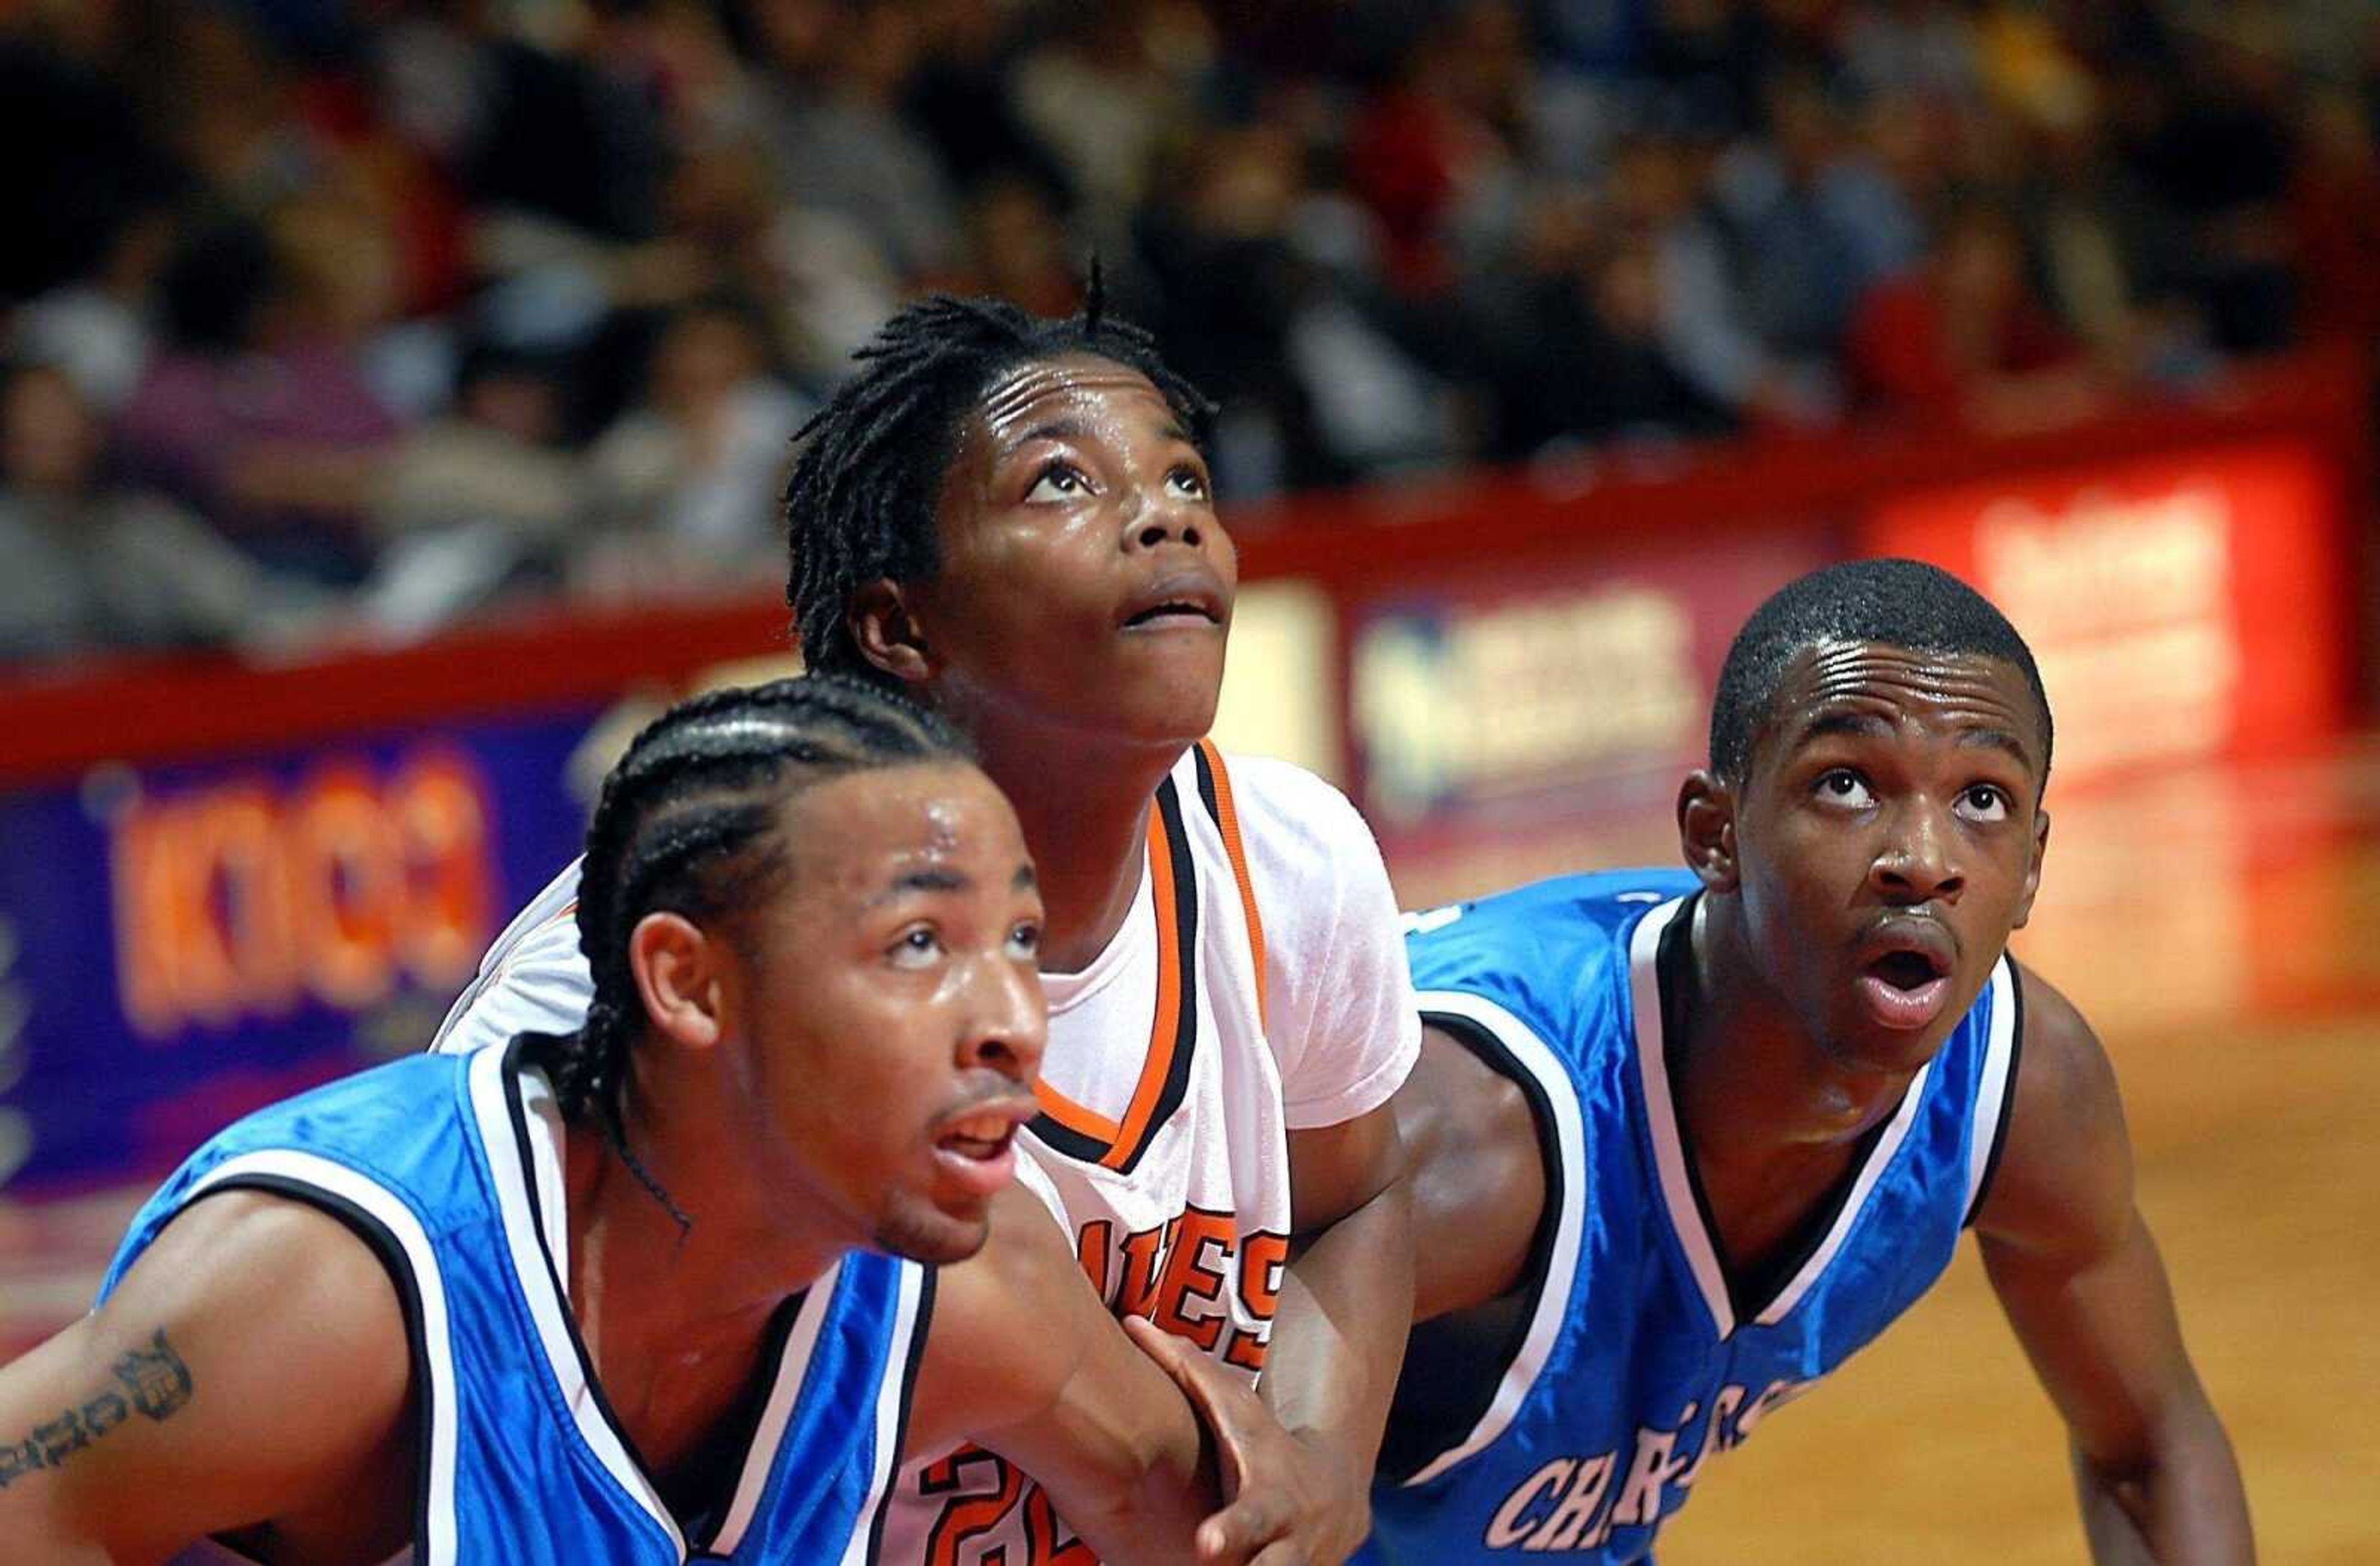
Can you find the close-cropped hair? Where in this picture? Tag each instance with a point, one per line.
(691, 822)
(861, 503)
(1904, 603)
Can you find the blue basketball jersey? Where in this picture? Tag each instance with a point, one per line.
(1628, 1363)
(450, 1167)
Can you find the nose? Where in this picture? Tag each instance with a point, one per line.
(1011, 1023)
(1918, 862)
(1157, 516)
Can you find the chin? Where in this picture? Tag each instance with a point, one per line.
(922, 1232)
(1864, 1047)
(1179, 699)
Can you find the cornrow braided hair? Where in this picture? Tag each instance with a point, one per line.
(686, 824)
(859, 505)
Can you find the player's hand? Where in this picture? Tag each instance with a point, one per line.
(1286, 1501)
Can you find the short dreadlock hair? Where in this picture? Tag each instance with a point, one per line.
(688, 824)
(1899, 603)
(860, 505)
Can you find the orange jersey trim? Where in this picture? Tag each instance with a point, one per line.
(1227, 815)
(1163, 1027)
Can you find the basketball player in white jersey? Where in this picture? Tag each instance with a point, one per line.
(1010, 518)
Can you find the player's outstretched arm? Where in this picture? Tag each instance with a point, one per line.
(1346, 1307)
(2082, 1284)
(1023, 1358)
(251, 1369)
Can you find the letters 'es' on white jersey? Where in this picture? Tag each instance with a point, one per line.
(1259, 985)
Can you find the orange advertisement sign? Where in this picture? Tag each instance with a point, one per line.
(2181, 607)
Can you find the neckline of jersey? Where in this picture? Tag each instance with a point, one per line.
(1658, 950)
(530, 1195)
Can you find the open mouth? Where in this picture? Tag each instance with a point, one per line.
(976, 1152)
(1905, 970)
(979, 1137)
(1175, 612)
(1187, 597)
(1905, 984)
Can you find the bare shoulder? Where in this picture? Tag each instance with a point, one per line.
(285, 1310)
(285, 1270)
(2064, 1183)
(1456, 1108)
(1477, 1173)
(252, 1365)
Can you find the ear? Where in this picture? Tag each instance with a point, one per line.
(2033, 870)
(1706, 829)
(887, 634)
(682, 977)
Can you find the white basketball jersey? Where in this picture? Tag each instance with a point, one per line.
(1256, 987)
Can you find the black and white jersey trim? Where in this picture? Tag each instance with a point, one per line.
(1539, 1072)
(894, 1395)
(1995, 1086)
(385, 1221)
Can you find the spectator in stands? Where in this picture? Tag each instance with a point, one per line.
(1706, 330)
(959, 98)
(99, 328)
(684, 485)
(1434, 153)
(1016, 244)
(820, 282)
(86, 565)
(255, 411)
(1963, 337)
(1596, 367)
(2215, 147)
(495, 463)
(1312, 389)
(1337, 209)
(1919, 52)
(1102, 91)
(571, 136)
(841, 143)
(1810, 224)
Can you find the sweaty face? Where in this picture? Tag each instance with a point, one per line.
(1084, 581)
(1889, 840)
(895, 1014)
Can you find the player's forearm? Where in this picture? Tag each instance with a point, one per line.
(1135, 1492)
(1123, 1456)
(1339, 1335)
(2184, 1507)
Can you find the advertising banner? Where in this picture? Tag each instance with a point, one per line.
(1503, 718)
(2182, 606)
(181, 944)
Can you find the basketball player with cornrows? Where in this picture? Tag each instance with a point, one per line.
(654, 1287)
(1009, 518)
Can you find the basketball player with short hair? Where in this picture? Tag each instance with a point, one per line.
(653, 1286)
(1682, 1143)
(1009, 518)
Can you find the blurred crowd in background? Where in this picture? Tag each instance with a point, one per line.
(340, 319)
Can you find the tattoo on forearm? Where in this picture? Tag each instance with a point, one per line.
(152, 1382)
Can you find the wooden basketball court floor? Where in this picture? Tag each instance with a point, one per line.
(2222, 929)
